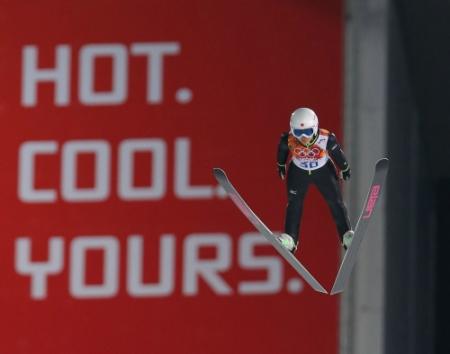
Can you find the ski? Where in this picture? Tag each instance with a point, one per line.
(345, 270)
(223, 180)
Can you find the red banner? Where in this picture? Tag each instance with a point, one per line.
(115, 235)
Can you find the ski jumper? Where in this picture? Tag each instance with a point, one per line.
(314, 163)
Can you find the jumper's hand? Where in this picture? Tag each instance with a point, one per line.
(346, 174)
(281, 171)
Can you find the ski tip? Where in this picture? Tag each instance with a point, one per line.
(219, 174)
(383, 160)
(382, 163)
(217, 170)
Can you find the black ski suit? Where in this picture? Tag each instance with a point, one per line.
(325, 178)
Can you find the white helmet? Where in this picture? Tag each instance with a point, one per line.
(304, 122)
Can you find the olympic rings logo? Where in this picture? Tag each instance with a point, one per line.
(303, 153)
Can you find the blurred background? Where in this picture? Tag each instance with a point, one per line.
(115, 235)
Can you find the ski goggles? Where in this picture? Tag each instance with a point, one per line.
(299, 132)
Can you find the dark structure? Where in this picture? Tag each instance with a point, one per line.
(418, 214)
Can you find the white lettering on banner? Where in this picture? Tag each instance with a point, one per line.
(155, 65)
(208, 269)
(154, 52)
(39, 271)
(249, 260)
(135, 265)
(182, 172)
(110, 247)
(127, 149)
(119, 74)
(29, 151)
(31, 75)
(100, 191)
(196, 272)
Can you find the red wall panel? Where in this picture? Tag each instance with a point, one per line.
(115, 238)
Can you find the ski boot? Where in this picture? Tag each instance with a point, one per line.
(287, 242)
(347, 239)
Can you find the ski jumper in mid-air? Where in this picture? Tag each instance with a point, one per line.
(309, 155)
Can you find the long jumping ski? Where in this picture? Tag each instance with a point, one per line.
(345, 270)
(223, 180)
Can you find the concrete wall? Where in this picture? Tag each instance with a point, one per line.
(362, 304)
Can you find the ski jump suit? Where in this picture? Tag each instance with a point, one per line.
(313, 163)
